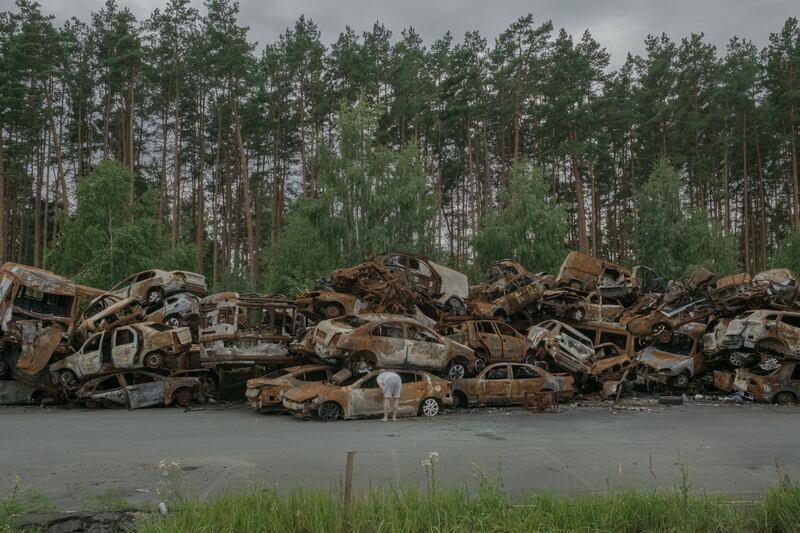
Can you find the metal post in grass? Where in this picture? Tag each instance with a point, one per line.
(348, 478)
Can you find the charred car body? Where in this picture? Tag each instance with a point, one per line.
(264, 393)
(136, 389)
(510, 384)
(349, 396)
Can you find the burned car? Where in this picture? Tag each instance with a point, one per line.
(566, 303)
(110, 311)
(493, 341)
(137, 388)
(675, 362)
(583, 272)
(38, 312)
(152, 286)
(328, 304)
(559, 345)
(508, 298)
(770, 336)
(145, 345)
(263, 394)
(389, 341)
(349, 396)
(781, 385)
(509, 384)
(665, 319)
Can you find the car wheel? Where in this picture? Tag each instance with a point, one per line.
(769, 363)
(480, 364)
(173, 321)
(578, 315)
(153, 360)
(456, 370)
(737, 359)
(456, 306)
(182, 397)
(329, 411)
(662, 332)
(429, 407)
(681, 381)
(530, 358)
(5, 370)
(333, 311)
(67, 378)
(785, 398)
(91, 403)
(154, 296)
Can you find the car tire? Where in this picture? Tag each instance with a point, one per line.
(429, 407)
(154, 360)
(662, 332)
(5, 370)
(173, 321)
(333, 311)
(785, 398)
(154, 296)
(681, 381)
(329, 412)
(182, 398)
(67, 378)
(91, 403)
(530, 358)
(456, 306)
(456, 370)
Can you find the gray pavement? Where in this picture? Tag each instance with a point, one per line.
(74, 454)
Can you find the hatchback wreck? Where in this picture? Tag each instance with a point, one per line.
(263, 394)
(389, 341)
(509, 384)
(349, 396)
(137, 388)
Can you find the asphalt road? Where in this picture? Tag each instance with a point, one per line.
(74, 454)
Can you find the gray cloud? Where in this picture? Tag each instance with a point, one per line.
(619, 25)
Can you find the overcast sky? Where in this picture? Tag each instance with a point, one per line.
(619, 25)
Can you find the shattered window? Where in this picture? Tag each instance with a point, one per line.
(45, 303)
(107, 384)
(416, 333)
(620, 341)
(485, 327)
(409, 377)
(92, 344)
(419, 267)
(276, 374)
(791, 320)
(506, 330)
(498, 372)
(145, 275)
(394, 331)
(317, 375)
(796, 373)
(524, 372)
(122, 337)
(5, 283)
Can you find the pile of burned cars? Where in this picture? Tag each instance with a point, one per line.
(593, 330)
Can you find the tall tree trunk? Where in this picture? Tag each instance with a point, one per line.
(727, 189)
(746, 208)
(583, 240)
(162, 178)
(795, 183)
(37, 210)
(245, 203)
(201, 179)
(176, 174)
(303, 168)
(106, 119)
(3, 234)
(762, 209)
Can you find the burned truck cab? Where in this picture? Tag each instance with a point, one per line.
(38, 311)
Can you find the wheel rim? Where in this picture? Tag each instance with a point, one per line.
(784, 398)
(430, 407)
(480, 364)
(662, 333)
(3, 368)
(530, 360)
(153, 360)
(328, 412)
(332, 311)
(579, 315)
(770, 363)
(736, 359)
(173, 322)
(456, 371)
(681, 381)
(67, 378)
(153, 297)
(184, 398)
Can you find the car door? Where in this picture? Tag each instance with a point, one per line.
(144, 389)
(425, 348)
(366, 397)
(138, 288)
(90, 361)
(411, 392)
(390, 344)
(526, 379)
(123, 288)
(110, 390)
(495, 386)
(489, 339)
(788, 329)
(421, 275)
(515, 346)
(123, 348)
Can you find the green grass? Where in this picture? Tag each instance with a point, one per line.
(413, 510)
(22, 501)
(106, 501)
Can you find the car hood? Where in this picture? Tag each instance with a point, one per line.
(659, 360)
(309, 391)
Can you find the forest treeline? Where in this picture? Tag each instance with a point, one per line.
(263, 166)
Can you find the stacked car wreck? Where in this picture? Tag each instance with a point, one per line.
(594, 330)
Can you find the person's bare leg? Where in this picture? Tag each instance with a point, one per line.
(395, 405)
(385, 409)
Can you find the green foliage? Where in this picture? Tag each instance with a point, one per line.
(788, 253)
(395, 509)
(371, 199)
(673, 240)
(530, 228)
(113, 234)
